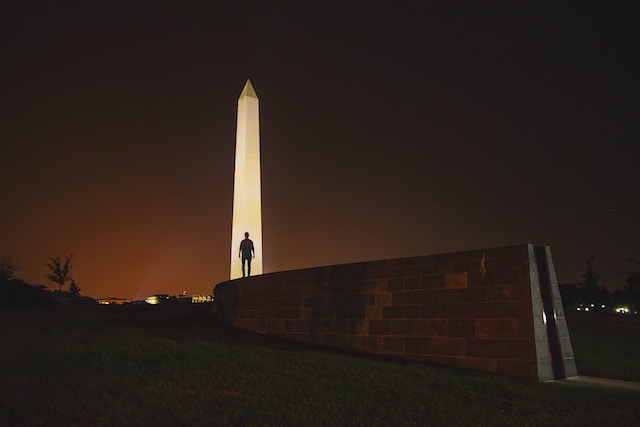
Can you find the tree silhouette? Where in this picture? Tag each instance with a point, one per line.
(74, 290)
(595, 293)
(8, 267)
(632, 287)
(60, 271)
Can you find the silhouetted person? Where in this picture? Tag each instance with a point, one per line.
(246, 253)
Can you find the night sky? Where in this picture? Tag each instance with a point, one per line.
(388, 129)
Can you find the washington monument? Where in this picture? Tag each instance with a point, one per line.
(247, 201)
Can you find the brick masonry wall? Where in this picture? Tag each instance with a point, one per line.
(477, 309)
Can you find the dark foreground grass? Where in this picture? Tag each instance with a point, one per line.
(162, 366)
(606, 345)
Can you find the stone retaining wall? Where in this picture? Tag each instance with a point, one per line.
(484, 309)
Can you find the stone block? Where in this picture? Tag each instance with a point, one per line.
(252, 303)
(340, 326)
(498, 264)
(456, 280)
(478, 278)
(444, 268)
(274, 326)
(413, 261)
(373, 312)
(284, 303)
(521, 350)
(508, 276)
(430, 327)
(563, 329)
(357, 300)
(477, 347)
(519, 262)
(313, 301)
(378, 327)
(290, 326)
(401, 312)
(567, 348)
(265, 314)
(400, 327)
(499, 309)
(382, 298)
(423, 270)
(394, 284)
(304, 326)
(417, 345)
(497, 328)
(461, 328)
(462, 266)
(434, 281)
(429, 311)
(525, 328)
(521, 292)
(499, 293)
(393, 345)
(246, 314)
(447, 346)
(357, 327)
(291, 313)
(453, 310)
(350, 312)
(411, 283)
(475, 295)
(411, 297)
(305, 313)
(371, 344)
(446, 296)
(324, 326)
(323, 313)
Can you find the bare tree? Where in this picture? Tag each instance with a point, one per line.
(8, 267)
(60, 270)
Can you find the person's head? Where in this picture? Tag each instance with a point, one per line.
(246, 234)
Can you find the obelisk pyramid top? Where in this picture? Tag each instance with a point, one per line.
(248, 90)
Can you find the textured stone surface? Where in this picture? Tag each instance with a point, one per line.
(477, 309)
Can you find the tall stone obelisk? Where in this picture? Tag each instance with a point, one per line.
(247, 199)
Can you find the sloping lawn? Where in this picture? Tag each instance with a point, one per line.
(171, 366)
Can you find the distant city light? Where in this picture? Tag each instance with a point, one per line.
(156, 299)
(197, 299)
(112, 301)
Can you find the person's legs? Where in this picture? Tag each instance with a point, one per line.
(243, 260)
(248, 266)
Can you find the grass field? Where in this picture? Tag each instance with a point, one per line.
(164, 366)
(606, 345)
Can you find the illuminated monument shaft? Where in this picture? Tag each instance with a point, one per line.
(247, 202)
